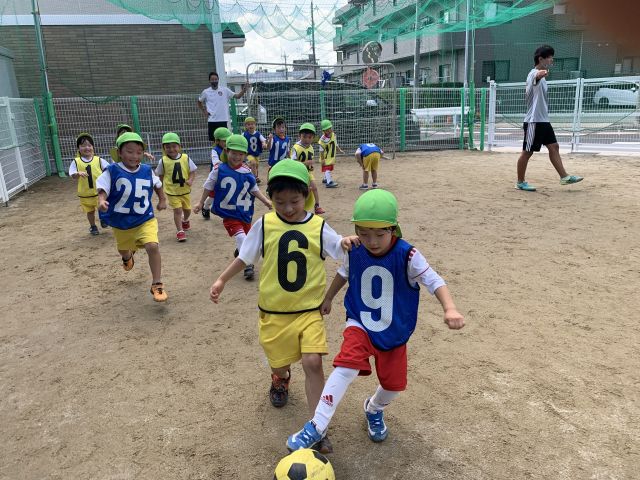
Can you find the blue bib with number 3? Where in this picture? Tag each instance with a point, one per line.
(380, 296)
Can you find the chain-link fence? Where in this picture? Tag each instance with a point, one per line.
(21, 159)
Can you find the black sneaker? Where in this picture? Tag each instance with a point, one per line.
(94, 230)
(279, 391)
(206, 213)
(103, 224)
(248, 272)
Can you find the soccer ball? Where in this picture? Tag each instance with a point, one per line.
(304, 464)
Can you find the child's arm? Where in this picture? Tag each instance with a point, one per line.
(231, 271)
(162, 200)
(192, 177)
(269, 141)
(359, 159)
(209, 186)
(198, 206)
(103, 204)
(452, 317)
(332, 291)
(260, 196)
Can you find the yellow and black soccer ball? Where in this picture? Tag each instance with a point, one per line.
(305, 464)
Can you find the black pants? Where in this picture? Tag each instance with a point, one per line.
(215, 125)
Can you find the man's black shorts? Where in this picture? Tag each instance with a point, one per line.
(536, 135)
(215, 125)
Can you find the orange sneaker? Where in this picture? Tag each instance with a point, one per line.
(159, 294)
(128, 263)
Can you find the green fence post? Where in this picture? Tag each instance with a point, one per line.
(323, 109)
(135, 114)
(43, 137)
(55, 140)
(403, 123)
(235, 127)
(483, 120)
(462, 118)
(471, 118)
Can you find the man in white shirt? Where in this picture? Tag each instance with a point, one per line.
(537, 127)
(214, 103)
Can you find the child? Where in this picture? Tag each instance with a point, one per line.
(220, 135)
(293, 243)
(177, 171)
(124, 191)
(256, 144)
(120, 129)
(384, 274)
(368, 157)
(278, 143)
(328, 147)
(235, 188)
(86, 168)
(303, 151)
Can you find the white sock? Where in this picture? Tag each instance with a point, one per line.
(239, 238)
(327, 176)
(207, 203)
(332, 393)
(381, 399)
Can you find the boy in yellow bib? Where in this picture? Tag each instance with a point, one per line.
(303, 152)
(328, 146)
(177, 172)
(294, 244)
(86, 168)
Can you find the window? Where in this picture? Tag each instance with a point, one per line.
(395, 45)
(566, 64)
(497, 70)
(448, 16)
(559, 9)
(444, 73)
(630, 65)
(493, 9)
(409, 74)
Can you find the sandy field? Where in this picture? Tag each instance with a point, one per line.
(98, 382)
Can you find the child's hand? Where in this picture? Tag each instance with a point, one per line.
(264, 146)
(148, 156)
(162, 204)
(190, 181)
(215, 290)
(197, 207)
(325, 307)
(83, 174)
(268, 205)
(453, 319)
(103, 205)
(348, 243)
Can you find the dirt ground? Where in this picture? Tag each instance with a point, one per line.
(98, 382)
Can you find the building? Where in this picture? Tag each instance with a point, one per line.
(503, 51)
(107, 51)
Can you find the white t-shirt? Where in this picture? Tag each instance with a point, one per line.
(104, 181)
(210, 182)
(73, 168)
(251, 249)
(537, 98)
(160, 169)
(217, 103)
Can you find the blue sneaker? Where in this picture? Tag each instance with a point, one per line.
(308, 437)
(569, 179)
(525, 186)
(376, 428)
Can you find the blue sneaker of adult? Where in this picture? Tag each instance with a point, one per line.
(525, 186)
(376, 428)
(569, 179)
(305, 438)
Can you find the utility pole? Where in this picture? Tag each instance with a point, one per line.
(416, 60)
(313, 42)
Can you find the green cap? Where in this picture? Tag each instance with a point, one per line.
(238, 143)
(325, 125)
(275, 120)
(290, 168)
(249, 119)
(124, 126)
(170, 137)
(221, 133)
(84, 135)
(307, 126)
(376, 209)
(130, 137)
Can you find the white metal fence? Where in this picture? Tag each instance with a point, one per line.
(588, 115)
(21, 162)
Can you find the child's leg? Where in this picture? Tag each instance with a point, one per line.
(374, 176)
(381, 399)
(186, 213)
(125, 254)
(314, 189)
(327, 176)
(91, 216)
(314, 378)
(155, 263)
(365, 177)
(177, 218)
(333, 392)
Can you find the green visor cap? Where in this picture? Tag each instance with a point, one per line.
(221, 133)
(307, 126)
(290, 168)
(376, 209)
(326, 124)
(249, 119)
(237, 143)
(84, 135)
(130, 137)
(170, 137)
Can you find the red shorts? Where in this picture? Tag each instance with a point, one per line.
(235, 227)
(327, 168)
(212, 194)
(391, 365)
